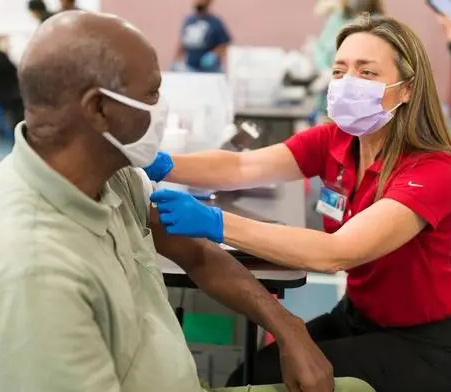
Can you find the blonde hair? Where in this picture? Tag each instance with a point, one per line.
(419, 125)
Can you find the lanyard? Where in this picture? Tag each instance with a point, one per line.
(339, 180)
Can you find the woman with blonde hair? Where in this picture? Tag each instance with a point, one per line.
(388, 155)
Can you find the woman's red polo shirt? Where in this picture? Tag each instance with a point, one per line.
(411, 285)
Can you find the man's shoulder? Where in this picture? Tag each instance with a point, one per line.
(8, 174)
(40, 251)
(18, 199)
(33, 233)
(129, 186)
(21, 205)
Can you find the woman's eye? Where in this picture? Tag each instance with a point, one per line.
(368, 73)
(336, 73)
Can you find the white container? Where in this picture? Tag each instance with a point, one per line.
(175, 138)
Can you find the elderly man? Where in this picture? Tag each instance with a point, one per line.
(83, 307)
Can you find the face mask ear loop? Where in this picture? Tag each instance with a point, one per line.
(395, 84)
(396, 107)
(127, 100)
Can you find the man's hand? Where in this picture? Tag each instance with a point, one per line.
(304, 366)
(160, 168)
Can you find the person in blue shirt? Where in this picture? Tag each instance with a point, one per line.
(204, 41)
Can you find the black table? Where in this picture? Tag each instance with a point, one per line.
(283, 204)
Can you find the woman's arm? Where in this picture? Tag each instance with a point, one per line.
(413, 198)
(371, 234)
(224, 170)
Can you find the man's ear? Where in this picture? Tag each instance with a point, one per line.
(93, 107)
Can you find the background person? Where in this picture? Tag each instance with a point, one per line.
(204, 41)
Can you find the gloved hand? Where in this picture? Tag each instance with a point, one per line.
(209, 62)
(183, 215)
(160, 168)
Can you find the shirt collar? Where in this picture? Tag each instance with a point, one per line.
(59, 192)
(342, 150)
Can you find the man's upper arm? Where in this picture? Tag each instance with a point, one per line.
(49, 340)
(188, 253)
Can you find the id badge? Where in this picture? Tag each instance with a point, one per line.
(332, 203)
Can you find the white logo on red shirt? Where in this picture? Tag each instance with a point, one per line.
(415, 185)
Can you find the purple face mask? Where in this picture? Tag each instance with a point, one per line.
(355, 105)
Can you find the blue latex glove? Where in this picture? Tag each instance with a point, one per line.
(183, 215)
(160, 168)
(210, 62)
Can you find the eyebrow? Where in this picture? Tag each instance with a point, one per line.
(359, 62)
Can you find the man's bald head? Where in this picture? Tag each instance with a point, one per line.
(74, 51)
(72, 56)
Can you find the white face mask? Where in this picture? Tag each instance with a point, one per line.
(143, 152)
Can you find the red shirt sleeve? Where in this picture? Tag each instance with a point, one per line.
(310, 148)
(424, 186)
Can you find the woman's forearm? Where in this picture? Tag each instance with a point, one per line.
(369, 235)
(291, 247)
(225, 170)
(219, 170)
